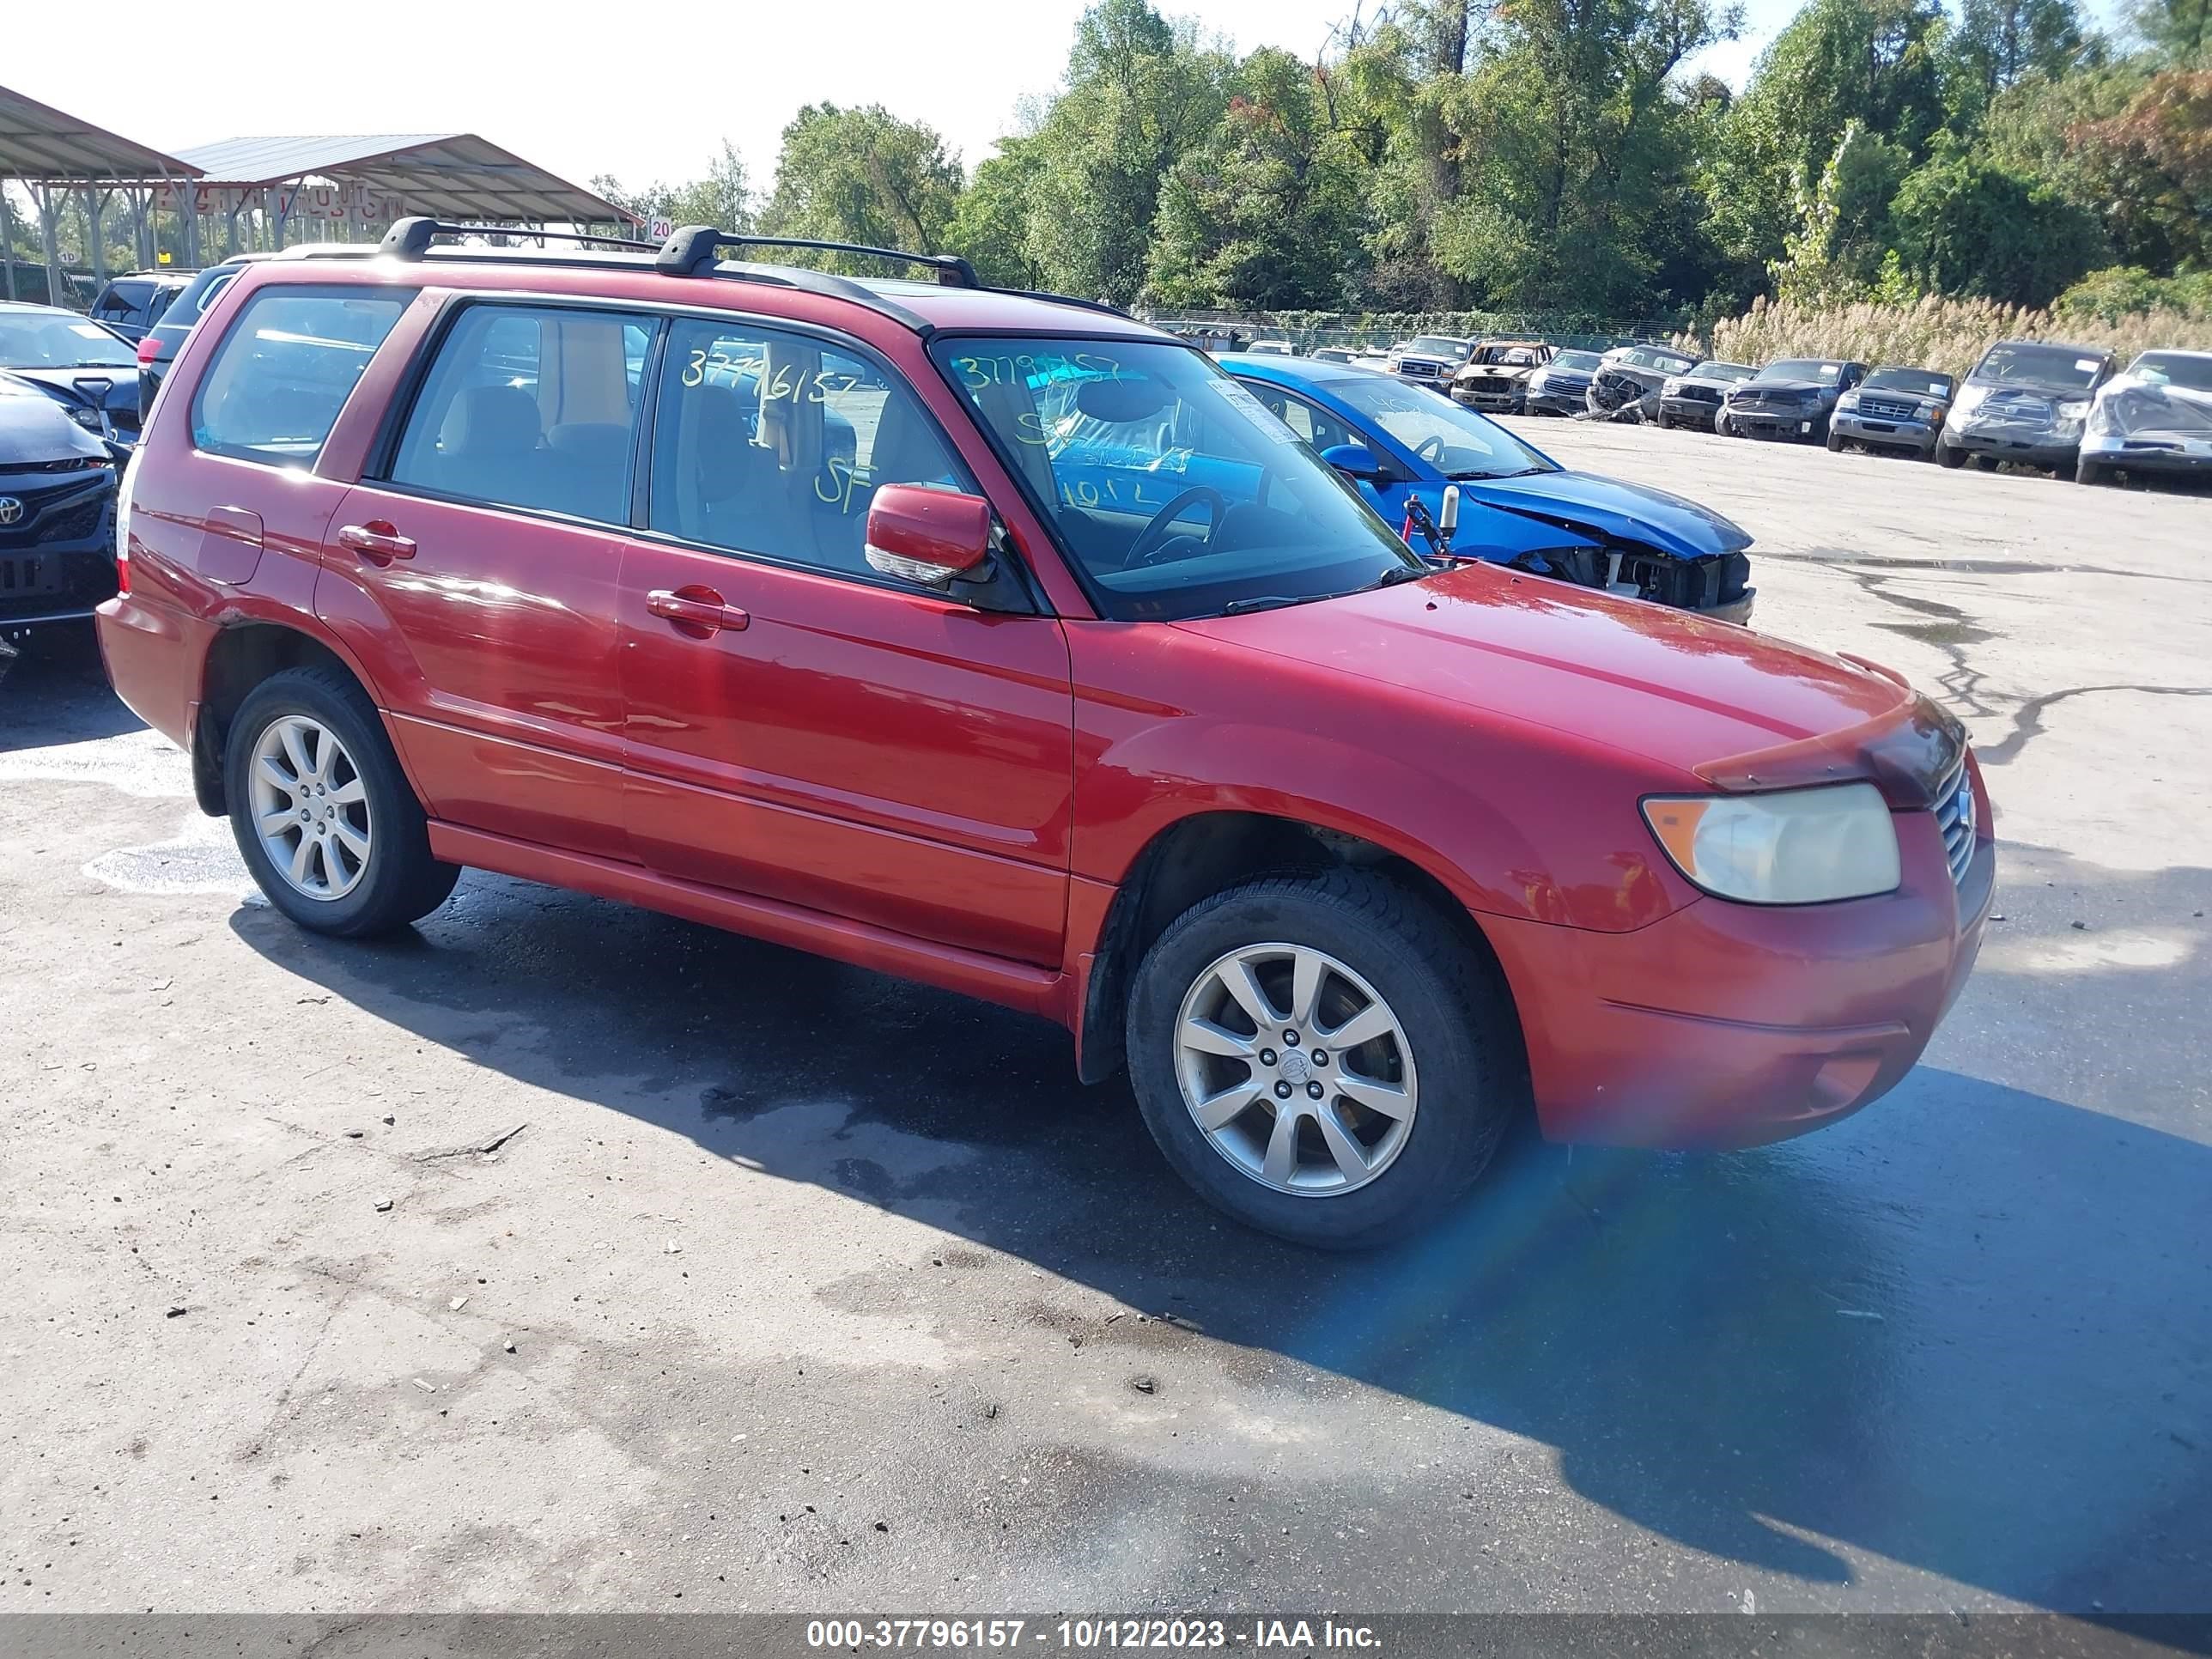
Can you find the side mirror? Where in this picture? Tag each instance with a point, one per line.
(928, 536)
(1357, 462)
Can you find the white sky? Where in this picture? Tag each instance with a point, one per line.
(643, 90)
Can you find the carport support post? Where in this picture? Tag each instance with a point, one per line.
(42, 198)
(8, 237)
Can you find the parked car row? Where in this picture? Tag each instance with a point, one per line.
(1003, 642)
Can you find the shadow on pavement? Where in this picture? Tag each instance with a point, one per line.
(57, 691)
(1970, 1330)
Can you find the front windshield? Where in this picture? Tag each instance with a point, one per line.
(1168, 482)
(1435, 345)
(1583, 360)
(54, 339)
(2192, 369)
(1800, 368)
(2017, 363)
(1450, 437)
(1666, 363)
(1921, 382)
(1713, 371)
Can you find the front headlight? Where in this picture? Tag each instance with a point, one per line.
(1670, 388)
(1848, 401)
(2073, 411)
(86, 416)
(1970, 398)
(1793, 847)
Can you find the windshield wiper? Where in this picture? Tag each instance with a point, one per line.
(1394, 575)
(1521, 472)
(1267, 602)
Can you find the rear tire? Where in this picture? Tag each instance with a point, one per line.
(312, 780)
(1382, 1138)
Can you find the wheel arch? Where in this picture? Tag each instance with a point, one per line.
(1205, 852)
(246, 650)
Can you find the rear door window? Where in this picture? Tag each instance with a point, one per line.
(530, 407)
(286, 369)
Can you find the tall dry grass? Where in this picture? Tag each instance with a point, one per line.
(1933, 332)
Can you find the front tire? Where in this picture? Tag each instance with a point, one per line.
(2087, 472)
(322, 813)
(1323, 1058)
(1835, 442)
(1949, 455)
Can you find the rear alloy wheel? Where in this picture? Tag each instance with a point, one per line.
(1322, 1057)
(322, 813)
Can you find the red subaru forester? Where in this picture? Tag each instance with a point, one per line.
(1000, 641)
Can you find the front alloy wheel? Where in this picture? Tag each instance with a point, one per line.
(1296, 1070)
(310, 808)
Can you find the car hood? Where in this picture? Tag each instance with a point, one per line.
(1752, 388)
(1507, 371)
(1610, 509)
(1706, 379)
(34, 429)
(1707, 700)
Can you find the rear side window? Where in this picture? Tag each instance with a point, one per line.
(286, 369)
(530, 408)
(775, 444)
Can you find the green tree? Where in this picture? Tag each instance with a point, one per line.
(1967, 226)
(2000, 41)
(1877, 62)
(991, 220)
(2178, 31)
(721, 197)
(1835, 256)
(1265, 210)
(863, 175)
(1139, 94)
(2151, 165)
(1577, 156)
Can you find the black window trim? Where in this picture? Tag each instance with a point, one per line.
(406, 296)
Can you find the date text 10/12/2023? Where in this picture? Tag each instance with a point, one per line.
(1088, 1635)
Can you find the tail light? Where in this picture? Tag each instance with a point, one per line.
(150, 350)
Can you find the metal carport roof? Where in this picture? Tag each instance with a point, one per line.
(40, 144)
(447, 175)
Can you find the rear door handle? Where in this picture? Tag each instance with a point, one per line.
(696, 607)
(377, 541)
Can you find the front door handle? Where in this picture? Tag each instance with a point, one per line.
(377, 541)
(700, 608)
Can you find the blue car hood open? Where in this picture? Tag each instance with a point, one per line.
(1609, 509)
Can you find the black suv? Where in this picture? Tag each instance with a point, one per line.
(132, 304)
(158, 349)
(1793, 399)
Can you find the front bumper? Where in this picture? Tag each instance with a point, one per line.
(2161, 453)
(1557, 400)
(1489, 402)
(51, 577)
(1916, 435)
(1801, 426)
(1727, 1025)
(2031, 446)
(1694, 410)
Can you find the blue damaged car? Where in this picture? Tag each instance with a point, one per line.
(1403, 446)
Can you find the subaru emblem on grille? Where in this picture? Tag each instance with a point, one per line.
(10, 509)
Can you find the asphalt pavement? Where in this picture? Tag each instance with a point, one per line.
(564, 1257)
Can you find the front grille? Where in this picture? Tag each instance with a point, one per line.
(1887, 409)
(1699, 394)
(1489, 385)
(71, 524)
(2018, 409)
(53, 512)
(1955, 816)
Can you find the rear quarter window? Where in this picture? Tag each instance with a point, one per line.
(285, 370)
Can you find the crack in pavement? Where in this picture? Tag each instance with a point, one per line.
(2027, 719)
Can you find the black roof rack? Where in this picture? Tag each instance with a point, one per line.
(410, 239)
(693, 250)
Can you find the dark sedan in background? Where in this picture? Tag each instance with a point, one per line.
(1894, 408)
(1792, 399)
(90, 370)
(1694, 398)
(1562, 386)
(56, 511)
